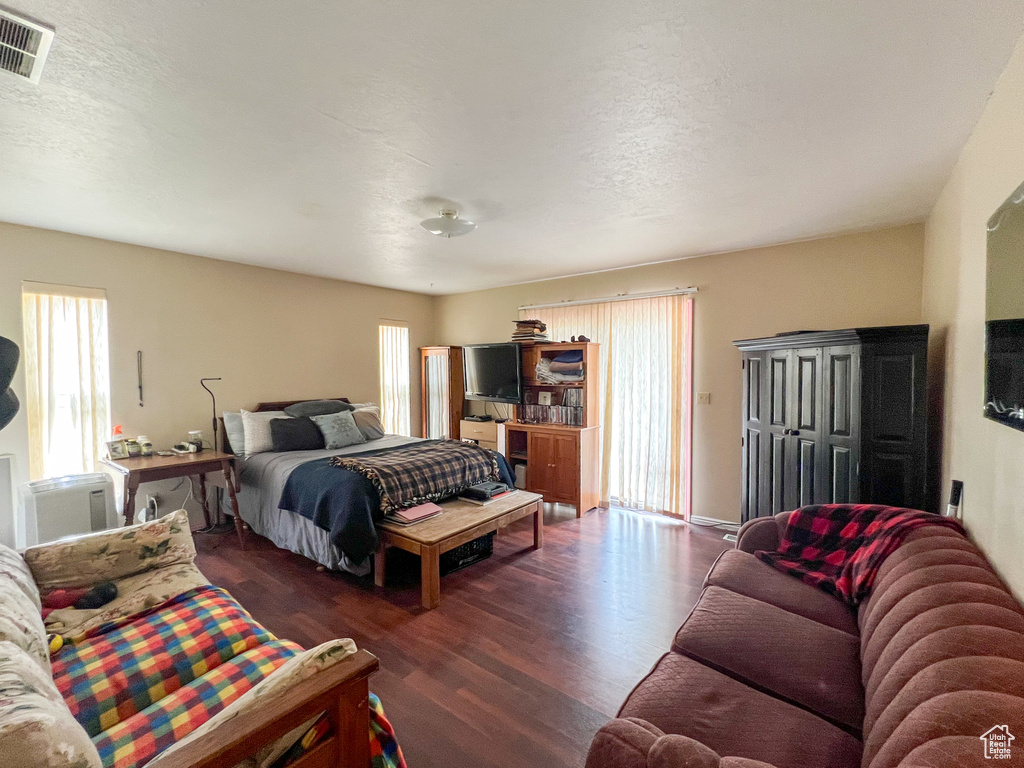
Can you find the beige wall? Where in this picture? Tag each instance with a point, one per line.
(271, 335)
(849, 281)
(988, 457)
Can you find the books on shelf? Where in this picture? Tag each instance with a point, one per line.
(570, 416)
(415, 514)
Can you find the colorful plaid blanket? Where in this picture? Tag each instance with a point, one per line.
(428, 471)
(140, 685)
(840, 547)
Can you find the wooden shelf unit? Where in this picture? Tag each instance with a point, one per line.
(562, 461)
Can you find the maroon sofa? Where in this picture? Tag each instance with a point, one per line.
(768, 671)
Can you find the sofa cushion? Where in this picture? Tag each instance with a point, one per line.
(36, 728)
(743, 573)
(133, 742)
(110, 677)
(789, 656)
(683, 696)
(84, 561)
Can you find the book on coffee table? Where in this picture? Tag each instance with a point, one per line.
(484, 502)
(415, 514)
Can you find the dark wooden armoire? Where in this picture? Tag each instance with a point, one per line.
(835, 417)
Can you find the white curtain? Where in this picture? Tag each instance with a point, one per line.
(645, 392)
(394, 378)
(438, 396)
(67, 364)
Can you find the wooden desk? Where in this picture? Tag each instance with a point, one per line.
(144, 469)
(461, 522)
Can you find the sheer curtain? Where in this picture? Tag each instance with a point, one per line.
(67, 364)
(645, 391)
(435, 370)
(394, 378)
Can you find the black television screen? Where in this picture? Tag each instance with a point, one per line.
(493, 372)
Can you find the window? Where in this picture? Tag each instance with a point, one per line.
(67, 365)
(645, 386)
(394, 377)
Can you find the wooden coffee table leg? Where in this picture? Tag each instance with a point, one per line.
(430, 575)
(379, 559)
(538, 527)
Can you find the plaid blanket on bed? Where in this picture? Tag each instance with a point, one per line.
(840, 547)
(428, 471)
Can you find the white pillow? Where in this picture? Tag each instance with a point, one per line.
(256, 430)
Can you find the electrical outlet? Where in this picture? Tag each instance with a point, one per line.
(703, 398)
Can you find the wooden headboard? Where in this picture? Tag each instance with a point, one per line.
(277, 405)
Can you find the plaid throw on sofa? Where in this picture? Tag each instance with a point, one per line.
(141, 684)
(428, 471)
(840, 547)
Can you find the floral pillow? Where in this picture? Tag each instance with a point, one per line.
(20, 619)
(86, 560)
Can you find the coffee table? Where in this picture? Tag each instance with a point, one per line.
(461, 522)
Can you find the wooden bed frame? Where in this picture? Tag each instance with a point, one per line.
(342, 691)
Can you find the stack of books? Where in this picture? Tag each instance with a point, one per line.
(416, 514)
(530, 330)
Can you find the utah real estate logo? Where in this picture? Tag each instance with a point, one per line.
(997, 742)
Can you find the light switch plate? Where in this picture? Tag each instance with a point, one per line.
(703, 398)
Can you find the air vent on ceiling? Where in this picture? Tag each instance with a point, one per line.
(23, 46)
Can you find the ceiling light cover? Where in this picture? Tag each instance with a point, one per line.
(448, 224)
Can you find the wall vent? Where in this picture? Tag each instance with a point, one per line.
(23, 46)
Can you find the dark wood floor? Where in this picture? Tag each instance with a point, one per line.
(529, 653)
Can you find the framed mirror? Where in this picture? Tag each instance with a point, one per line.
(1004, 314)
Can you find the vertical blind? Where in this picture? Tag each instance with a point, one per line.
(394, 378)
(645, 395)
(67, 365)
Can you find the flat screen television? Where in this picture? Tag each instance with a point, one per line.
(493, 372)
(1004, 372)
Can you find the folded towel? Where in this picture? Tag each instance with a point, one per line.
(557, 367)
(572, 356)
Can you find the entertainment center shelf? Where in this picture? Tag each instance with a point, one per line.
(562, 460)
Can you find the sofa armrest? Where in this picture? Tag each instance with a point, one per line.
(759, 533)
(342, 691)
(634, 743)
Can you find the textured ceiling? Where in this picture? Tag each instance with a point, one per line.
(313, 136)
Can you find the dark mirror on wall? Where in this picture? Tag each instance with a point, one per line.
(1004, 314)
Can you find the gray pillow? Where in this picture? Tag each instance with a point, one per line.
(234, 432)
(368, 421)
(317, 408)
(339, 429)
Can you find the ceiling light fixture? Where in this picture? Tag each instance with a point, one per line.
(448, 224)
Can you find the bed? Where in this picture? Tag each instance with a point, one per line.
(301, 479)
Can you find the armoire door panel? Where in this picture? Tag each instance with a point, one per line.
(777, 474)
(807, 388)
(841, 479)
(891, 478)
(752, 473)
(840, 394)
(806, 473)
(892, 412)
(778, 390)
(752, 393)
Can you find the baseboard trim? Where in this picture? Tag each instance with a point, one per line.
(699, 520)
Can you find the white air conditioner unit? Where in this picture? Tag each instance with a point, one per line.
(67, 506)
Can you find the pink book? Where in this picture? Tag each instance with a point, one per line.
(412, 514)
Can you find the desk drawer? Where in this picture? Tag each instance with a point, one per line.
(484, 431)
